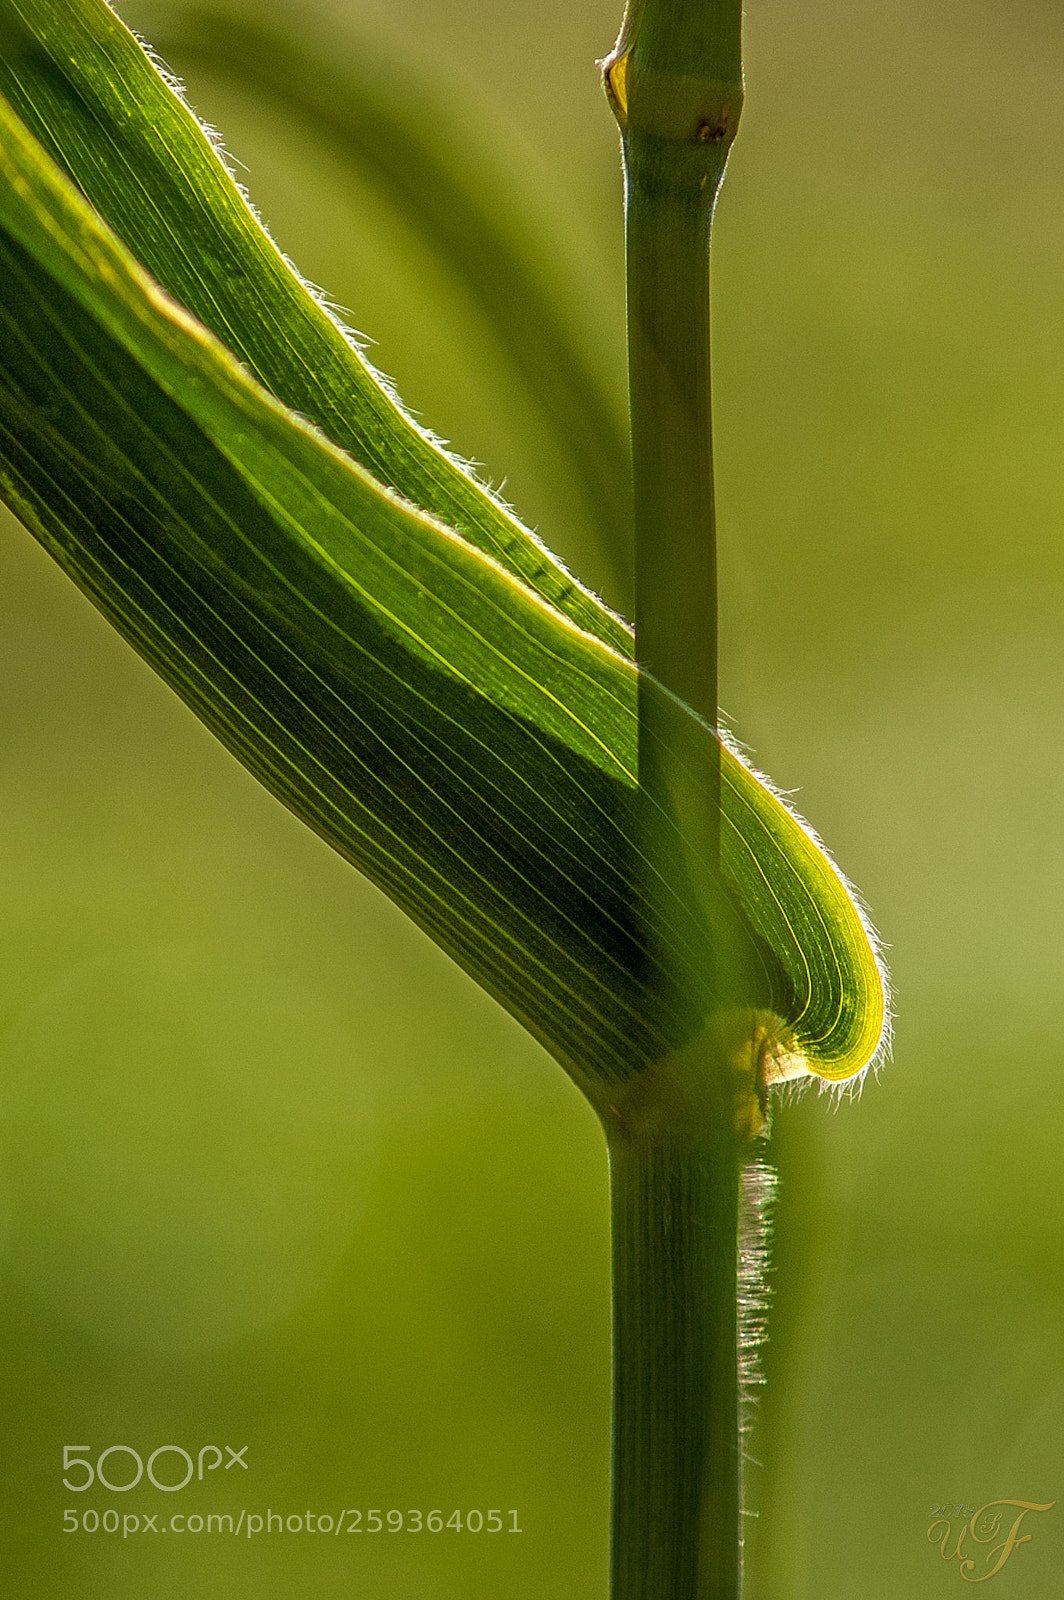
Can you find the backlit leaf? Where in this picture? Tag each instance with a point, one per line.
(442, 703)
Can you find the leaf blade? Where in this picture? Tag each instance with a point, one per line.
(400, 129)
(84, 86)
(480, 766)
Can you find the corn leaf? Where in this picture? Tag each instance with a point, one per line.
(441, 702)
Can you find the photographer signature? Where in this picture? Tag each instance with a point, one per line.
(981, 1527)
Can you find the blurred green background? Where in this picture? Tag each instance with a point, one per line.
(273, 1172)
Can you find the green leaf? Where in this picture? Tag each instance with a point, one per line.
(87, 90)
(403, 130)
(447, 729)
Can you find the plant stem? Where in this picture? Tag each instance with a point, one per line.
(676, 1137)
(675, 83)
(676, 1411)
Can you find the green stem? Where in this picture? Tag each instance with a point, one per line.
(668, 353)
(676, 1410)
(675, 84)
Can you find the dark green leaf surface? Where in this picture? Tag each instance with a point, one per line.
(459, 739)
